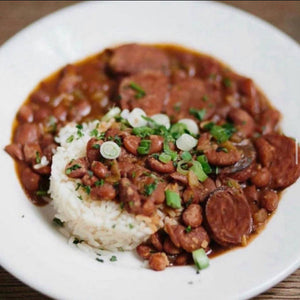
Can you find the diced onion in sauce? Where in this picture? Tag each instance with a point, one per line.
(186, 142)
(161, 119)
(113, 112)
(110, 150)
(135, 118)
(191, 125)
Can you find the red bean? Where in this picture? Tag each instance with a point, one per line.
(60, 112)
(243, 121)
(192, 216)
(131, 143)
(32, 153)
(30, 179)
(130, 196)
(156, 144)
(220, 158)
(160, 167)
(144, 251)
(25, 114)
(93, 149)
(103, 192)
(89, 180)
(158, 261)
(260, 217)
(77, 168)
(15, 151)
(99, 169)
(182, 259)
(26, 133)
(261, 178)
(269, 200)
(42, 113)
(40, 96)
(156, 241)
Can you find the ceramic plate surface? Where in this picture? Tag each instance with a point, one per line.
(34, 251)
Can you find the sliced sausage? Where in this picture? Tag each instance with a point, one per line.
(26, 133)
(93, 149)
(192, 216)
(15, 151)
(103, 192)
(170, 248)
(278, 153)
(133, 58)
(159, 166)
(188, 94)
(158, 261)
(130, 196)
(243, 121)
(77, 168)
(99, 169)
(154, 86)
(131, 143)
(30, 179)
(269, 200)
(228, 216)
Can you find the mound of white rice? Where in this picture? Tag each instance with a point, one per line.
(101, 224)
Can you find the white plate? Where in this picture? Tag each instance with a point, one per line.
(32, 249)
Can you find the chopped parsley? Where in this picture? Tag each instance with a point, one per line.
(78, 186)
(150, 188)
(72, 168)
(227, 82)
(99, 182)
(37, 157)
(205, 98)
(99, 259)
(222, 149)
(80, 197)
(138, 89)
(198, 113)
(96, 146)
(131, 226)
(58, 222)
(87, 189)
(188, 229)
(144, 147)
(41, 193)
(77, 241)
(220, 133)
(113, 258)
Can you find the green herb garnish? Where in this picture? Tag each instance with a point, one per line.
(150, 188)
(37, 157)
(198, 113)
(70, 139)
(58, 222)
(144, 147)
(139, 90)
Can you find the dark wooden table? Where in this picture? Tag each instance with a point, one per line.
(15, 15)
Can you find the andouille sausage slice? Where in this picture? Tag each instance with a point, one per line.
(154, 86)
(188, 94)
(228, 216)
(133, 58)
(280, 159)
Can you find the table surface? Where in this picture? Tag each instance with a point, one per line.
(15, 15)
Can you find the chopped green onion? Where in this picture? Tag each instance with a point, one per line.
(222, 149)
(178, 129)
(198, 113)
(165, 158)
(96, 146)
(220, 133)
(204, 163)
(186, 142)
(182, 167)
(168, 151)
(140, 92)
(191, 125)
(150, 188)
(198, 170)
(136, 118)
(173, 199)
(144, 147)
(41, 193)
(70, 139)
(200, 258)
(72, 168)
(110, 150)
(186, 156)
(161, 119)
(99, 259)
(142, 131)
(112, 113)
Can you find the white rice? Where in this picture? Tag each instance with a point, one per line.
(101, 224)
